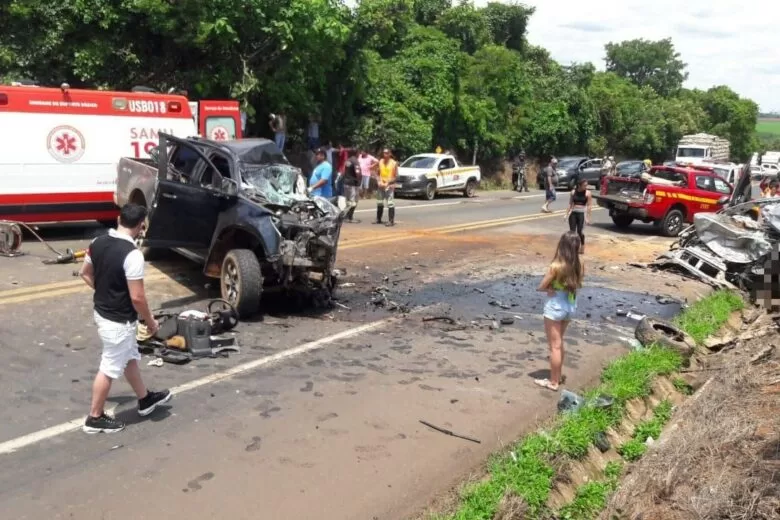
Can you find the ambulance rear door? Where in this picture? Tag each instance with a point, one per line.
(219, 120)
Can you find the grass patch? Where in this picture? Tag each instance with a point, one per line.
(706, 316)
(497, 183)
(682, 386)
(528, 469)
(636, 447)
(592, 497)
(765, 126)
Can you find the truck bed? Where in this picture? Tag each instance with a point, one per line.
(135, 175)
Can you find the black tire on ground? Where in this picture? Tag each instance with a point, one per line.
(622, 221)
(652, 331)
(430, 190)
(241, 281)
(673, 223)
(471, 189)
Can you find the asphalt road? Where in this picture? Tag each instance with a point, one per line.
(318, 416)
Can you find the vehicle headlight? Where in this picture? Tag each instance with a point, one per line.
(562, 173)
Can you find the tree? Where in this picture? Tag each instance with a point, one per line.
(654, 64)
(733, 118)
(466, 24)
(508, 23)
(426, 12)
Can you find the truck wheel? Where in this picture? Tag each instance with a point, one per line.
(650, 331)
(241, 282)
(622, 221)
(430, 190)
(471, 189)
(672, 223)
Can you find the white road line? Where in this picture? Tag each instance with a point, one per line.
(18, 443)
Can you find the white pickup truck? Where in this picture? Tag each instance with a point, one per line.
(427, 174)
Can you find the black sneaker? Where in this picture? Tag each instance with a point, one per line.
(152, 400)
(104, 423)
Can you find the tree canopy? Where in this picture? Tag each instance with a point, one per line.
(408, 74)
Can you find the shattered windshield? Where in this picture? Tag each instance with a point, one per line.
(276, 183)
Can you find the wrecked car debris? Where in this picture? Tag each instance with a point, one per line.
(449, 432)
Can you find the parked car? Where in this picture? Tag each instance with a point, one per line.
(240, 210)
(632, 168)
(568, 170)
(430, 173)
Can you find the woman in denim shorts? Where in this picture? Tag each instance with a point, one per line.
(563, 279)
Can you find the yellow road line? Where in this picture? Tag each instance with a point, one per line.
(55, 289)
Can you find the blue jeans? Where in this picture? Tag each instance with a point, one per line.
(279, 139)
(550, 194)
(560, 307)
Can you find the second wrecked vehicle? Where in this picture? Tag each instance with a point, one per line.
(240, 209)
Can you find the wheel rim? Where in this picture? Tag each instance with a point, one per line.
(470, 189)
(674, 223)
(429, 191)
(230, 282)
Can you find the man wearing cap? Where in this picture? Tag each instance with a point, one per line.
(388, 172)
(550, 182)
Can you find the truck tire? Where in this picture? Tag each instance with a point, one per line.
(651, 331)
(471, 189)
(241, 282)
(673, 223)
(150, 253)
(430, 190)
(622, 221)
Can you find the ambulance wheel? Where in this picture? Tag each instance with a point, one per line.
(430, 190)
(241, 282)
(672, 223)
(149, 252)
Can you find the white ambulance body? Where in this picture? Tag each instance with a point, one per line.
(59, 147)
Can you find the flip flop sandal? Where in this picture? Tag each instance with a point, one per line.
(545, 383)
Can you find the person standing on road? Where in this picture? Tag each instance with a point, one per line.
(388, 173)
(550, 183)
(114, 269)
(320, 180)
(561, 283)
(278, 124)
(578, 212)
(367, 165)
(313, 132)
(352, 180)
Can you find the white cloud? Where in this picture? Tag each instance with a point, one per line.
(732, 43)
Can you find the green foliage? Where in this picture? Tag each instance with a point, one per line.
(706, 316)
(409, 74)
(682, 386)
(653, 64)
(630, 376)
(632, 450)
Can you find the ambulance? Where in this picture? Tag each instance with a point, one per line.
(59, 147)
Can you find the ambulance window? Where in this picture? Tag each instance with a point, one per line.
(220, 128)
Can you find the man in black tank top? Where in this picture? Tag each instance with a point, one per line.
(114, 268)
(352, 180)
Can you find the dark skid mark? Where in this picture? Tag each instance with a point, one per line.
(254, 445)
(347, 377)
(309, 387)
(458, 374)
(409, 381)
(265, 413)
(430, 388)
(194, 484)
(327, 416)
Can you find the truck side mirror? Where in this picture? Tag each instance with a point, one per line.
(154, 153)
(229, 187)
(723, 200)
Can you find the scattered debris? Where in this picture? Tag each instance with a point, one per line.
(621, 312)
(636, 317)
(337, 304)
(507, 321)
(651, 331)
(570, 402)
(665, 300)
(762, 356)
(156, 362)
(450, 432)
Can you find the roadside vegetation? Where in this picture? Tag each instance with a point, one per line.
(520, 479)
(408, 74)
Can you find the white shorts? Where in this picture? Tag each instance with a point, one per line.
(119, 345)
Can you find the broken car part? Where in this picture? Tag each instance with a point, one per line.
(10, 238)
(450, 432)
(652, 331)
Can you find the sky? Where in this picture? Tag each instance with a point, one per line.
(736, 43)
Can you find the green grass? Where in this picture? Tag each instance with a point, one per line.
(592, 497)
(682, 386)
(766, 126)
(528, 468)
(636, 447)
(705, 317)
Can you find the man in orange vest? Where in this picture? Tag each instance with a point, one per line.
(388, 173)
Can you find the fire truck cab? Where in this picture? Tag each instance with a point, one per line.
(59, 147)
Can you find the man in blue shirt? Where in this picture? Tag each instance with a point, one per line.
(319, 183)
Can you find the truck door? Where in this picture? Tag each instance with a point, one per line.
(446, 176)
(219, 120)
(708, 190)
(187, 206)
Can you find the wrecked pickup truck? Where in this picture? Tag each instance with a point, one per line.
(240, 209)
(733, 248)
(666, 196)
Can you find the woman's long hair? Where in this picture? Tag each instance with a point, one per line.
(566, 266)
